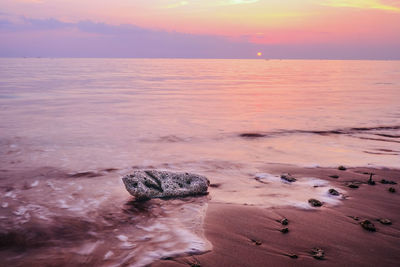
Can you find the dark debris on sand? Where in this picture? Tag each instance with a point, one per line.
(252, 135)
(353, 185)
(370, 181)
(383, 181)
(292, 256)
(256, 242)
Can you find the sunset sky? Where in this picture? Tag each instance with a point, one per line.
(367, 29)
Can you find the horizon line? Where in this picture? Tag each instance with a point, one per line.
(206, 58)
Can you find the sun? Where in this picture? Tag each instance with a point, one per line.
(259, 54)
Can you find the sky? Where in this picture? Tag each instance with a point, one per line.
(315, 29)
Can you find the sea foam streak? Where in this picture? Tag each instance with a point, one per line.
(101, 226)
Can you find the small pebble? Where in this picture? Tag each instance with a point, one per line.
(354, 186)
(333, 192)
(356, 218)
(257, 242)
(385, 221)
(285, 221)
(318, 253)
(293, 256)
(392, 190)
(342, 168)
(315, 202)
(367, 225)
(334, 176)
(287, 177)
(383, 181)
(285, 230)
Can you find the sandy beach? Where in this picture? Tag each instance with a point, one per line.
(239, 235)
(244, 235)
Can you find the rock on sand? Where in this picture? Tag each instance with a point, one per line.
(146, 184)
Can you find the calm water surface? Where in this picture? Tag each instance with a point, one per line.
(226, 119)
(85, 113)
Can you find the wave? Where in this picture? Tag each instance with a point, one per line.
(353, 132)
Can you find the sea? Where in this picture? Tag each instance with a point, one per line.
(71, 128)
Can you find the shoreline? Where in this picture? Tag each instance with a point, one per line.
(245, 235)
(240, 234)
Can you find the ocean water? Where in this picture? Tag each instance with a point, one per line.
(78, 125)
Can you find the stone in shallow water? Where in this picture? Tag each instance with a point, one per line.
(289, 178)
(146, 184)
(315, 202)
(333, 192)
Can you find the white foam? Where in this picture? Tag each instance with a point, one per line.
(157, 226)
(35, 183)
(277, 192)
(88, 248)
(108, 255)
(312, 166)
(51, 185)
(313, 182)
(23, 215)
(122, 238)
(63, 204)
(4, 205)
(20, 211)
(10, 194)
(301, 205)
(268, 177)
(127, 245)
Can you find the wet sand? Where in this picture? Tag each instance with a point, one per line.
(244, 235)
(104, 227)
